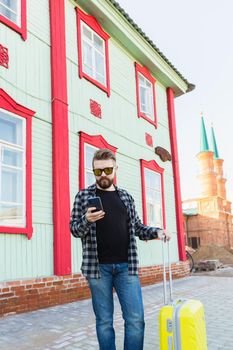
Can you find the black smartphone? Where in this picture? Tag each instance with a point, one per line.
(95, 202)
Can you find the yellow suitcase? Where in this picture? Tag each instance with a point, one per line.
(182, 322)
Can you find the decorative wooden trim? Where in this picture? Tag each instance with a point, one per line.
(7, 103)
(60, 138)
(152, 165)
(22, 30)
(95, 109)
(146, 73)
(95, 26)
(4, 57)
(95, 141)
(149, 139)
(175, 164)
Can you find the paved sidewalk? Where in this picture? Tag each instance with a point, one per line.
(72, 326)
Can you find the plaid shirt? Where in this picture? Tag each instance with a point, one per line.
(80, 227)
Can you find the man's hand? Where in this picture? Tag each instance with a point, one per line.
(93, 217)
(164, 234)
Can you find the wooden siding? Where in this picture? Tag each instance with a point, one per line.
(21, 258)
(28, 81)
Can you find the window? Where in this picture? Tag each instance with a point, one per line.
(146, 96)
(88, 145)
(93, 55)
(13, 14)
(11, 10)
(145, 91)
(152, 194)
(93, 51)
(15, 167)
(153, 198)
(88, 156)
(12, 170)
(194, 242)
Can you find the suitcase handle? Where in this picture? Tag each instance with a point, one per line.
(166, 301)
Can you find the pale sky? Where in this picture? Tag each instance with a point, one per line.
(197, 38)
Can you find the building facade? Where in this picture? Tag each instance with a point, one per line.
(75, 77)
(208, 218)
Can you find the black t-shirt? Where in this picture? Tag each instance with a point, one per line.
(112, 231)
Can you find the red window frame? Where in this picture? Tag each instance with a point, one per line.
(145, 72)
(22, 30)
(95, 141)
(8, 104)
(151, 165)
(92, 22)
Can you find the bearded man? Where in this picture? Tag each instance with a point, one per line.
(110, 259)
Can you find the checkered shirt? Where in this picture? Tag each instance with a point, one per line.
(81, 228)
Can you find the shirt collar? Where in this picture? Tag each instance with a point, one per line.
(92, 188)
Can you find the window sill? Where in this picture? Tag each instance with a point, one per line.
(21, 30)
(95, 82)
(149, 120)
(17, 230)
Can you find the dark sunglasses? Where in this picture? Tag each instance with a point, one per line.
(107, 171)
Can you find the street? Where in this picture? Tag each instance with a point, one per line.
(72, 326)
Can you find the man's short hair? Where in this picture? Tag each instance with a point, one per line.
(103, 154)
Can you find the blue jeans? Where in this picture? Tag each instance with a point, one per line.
(128, 290)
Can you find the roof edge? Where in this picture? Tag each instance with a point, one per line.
(191, 86)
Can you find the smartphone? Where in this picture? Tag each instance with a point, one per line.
(95, 202)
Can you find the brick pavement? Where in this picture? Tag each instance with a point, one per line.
(72, 326)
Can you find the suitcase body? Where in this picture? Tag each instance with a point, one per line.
(181, 322)
(182, 326)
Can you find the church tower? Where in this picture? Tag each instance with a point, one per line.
(218, 168)
(220, 179)
(208, 218)
(207, 175)
(212, 201)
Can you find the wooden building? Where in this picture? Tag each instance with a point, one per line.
(76, 76)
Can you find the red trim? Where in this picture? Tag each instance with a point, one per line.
(152, 165)
(95, 141)
(61, 188)
(146, 73)
(149, 139)
(22, 30)
(95, 26)
(95, 109)
(7, 103)
(175, 164)
(4, 57)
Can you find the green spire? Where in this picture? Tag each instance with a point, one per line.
(204, 141)
(214, 144)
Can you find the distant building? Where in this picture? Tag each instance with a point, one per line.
(208, 218)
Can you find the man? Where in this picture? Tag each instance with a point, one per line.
(110, 252)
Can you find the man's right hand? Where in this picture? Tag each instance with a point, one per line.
(94, 216)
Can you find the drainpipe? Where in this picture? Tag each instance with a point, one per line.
(60, 140)
(176, 173)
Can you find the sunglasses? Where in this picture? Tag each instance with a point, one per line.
(107, 171)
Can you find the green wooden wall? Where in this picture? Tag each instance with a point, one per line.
(28, 82)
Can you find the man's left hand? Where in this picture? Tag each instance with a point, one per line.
(164, 234)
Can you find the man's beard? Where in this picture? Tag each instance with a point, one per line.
(105, 182)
